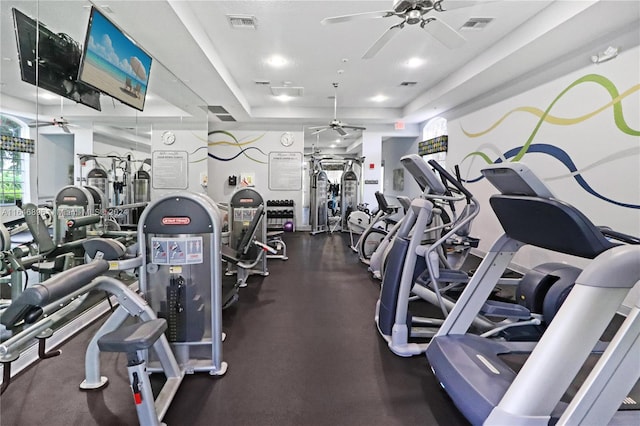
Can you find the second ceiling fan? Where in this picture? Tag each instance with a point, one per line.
(336, 124)
(411, 13)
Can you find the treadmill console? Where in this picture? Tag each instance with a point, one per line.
(422, 173)
(516, 179)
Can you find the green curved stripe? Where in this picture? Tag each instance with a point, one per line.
(236, 143)
(544, 116)
(480, 154)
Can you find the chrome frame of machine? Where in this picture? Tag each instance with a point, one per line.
(318, 218)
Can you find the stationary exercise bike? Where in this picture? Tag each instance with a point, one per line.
(376, 228)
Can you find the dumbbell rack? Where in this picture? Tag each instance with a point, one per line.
(279, 212)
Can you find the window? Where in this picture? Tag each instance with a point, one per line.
(13, 164)
(12, 179)
(434, 128)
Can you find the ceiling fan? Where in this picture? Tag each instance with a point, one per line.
(411, 13)
(336, 124)
(57, 122)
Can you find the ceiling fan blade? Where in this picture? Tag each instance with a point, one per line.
(384, 39)
(357, 16)
(340, 130)
(39, 124)
(347, 126)
(442, 32)
(65, 128)
(317, 127)
(320, 130)
(459, 4)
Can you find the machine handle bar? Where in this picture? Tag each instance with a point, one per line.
(450, 178)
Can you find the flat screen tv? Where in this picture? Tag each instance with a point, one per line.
(59, 61)
(113, 64)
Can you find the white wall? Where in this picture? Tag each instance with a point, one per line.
(393, 149)
(249, 153)
(601, 139)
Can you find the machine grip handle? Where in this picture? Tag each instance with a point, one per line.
(77, 222)
(450, 178)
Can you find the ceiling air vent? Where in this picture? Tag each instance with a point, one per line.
(242, 21)
(408, 83)
(217, 109)
(287, 91)
(262, 82)
(475, 24)
(225, 118)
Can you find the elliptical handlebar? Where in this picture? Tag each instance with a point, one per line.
(618, 236)
(447, 176)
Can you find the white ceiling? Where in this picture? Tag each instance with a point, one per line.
(527, 43)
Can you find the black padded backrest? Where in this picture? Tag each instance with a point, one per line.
(550, 224)
(244, 245)
(38, 228)
(382, 202)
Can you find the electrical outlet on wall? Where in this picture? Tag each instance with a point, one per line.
(204, 179)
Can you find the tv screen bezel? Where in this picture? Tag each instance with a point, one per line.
(85, 48)
(39, 79)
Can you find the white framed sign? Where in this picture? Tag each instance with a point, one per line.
(285, 171)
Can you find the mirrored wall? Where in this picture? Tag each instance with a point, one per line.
(59, 131)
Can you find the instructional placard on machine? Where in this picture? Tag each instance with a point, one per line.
(243, 214)
(176, 251)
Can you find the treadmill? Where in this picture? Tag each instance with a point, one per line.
(523, 383)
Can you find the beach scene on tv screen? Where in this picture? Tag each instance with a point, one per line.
(114, 65)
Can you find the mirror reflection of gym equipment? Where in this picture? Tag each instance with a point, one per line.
(126, 184)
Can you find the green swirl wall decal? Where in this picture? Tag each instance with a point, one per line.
(545, 116)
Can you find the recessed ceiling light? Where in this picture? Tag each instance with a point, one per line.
(277, 61)
(414, 62)
(284, 98)
(379, 98)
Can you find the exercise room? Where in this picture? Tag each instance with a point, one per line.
(385, 213)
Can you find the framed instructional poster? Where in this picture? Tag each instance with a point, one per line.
(170, 169)
(285, 171)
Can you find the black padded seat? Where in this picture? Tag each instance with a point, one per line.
(229, 254)
(134, 337)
